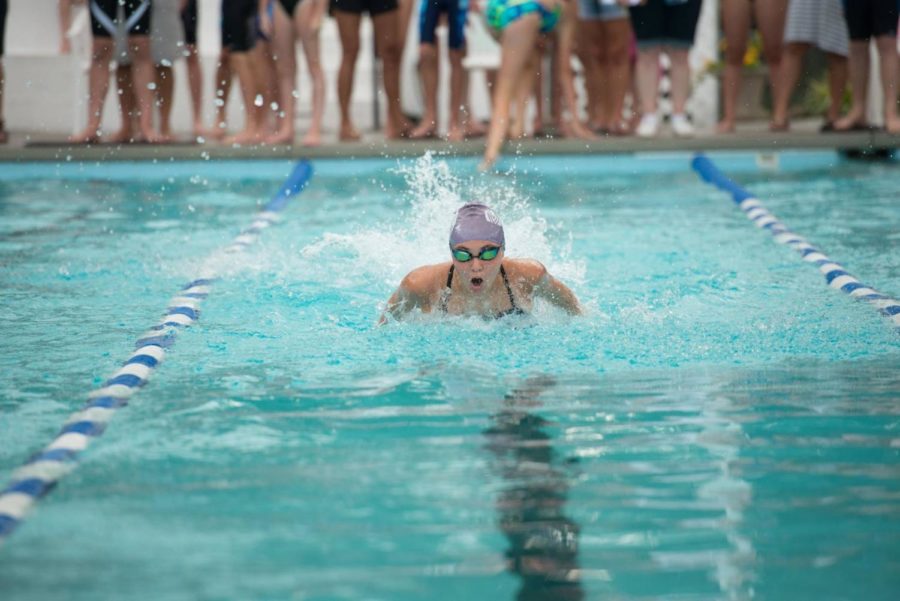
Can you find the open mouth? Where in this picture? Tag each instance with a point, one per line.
(477, 281)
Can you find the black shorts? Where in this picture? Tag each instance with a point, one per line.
(3, 10)
(290, 6)
(104, 21)
(189, 21)
(665, 22)
(871, 18)
(429, 13)
(373, 7)
(239, 25)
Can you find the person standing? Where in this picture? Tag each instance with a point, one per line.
(667, 25)
(736, 19)
(389, 40)
(293, 21)
(810, 23)
(104, 21)
(604, 38)
(429, 64)
(239, 37)
(517, 24)
(868, 19)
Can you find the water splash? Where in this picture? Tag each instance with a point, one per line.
(419, 234)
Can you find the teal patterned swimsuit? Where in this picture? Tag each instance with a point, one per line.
(501, 13)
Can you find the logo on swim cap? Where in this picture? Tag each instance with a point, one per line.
(476, 221)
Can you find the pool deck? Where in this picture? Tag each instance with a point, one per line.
(750, 137)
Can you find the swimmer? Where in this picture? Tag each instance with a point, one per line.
(479, 280)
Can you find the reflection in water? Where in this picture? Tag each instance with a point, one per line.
(543, 543)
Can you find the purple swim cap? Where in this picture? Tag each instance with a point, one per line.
(476, 222)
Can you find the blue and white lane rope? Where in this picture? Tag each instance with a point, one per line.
(45, 468)
(835, 275)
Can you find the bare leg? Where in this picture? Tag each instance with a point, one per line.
(681, 79)
(537, 89)
(165, 92)
(616, 39)
(4, 137)
(99, 86)
(736, 28)
(458, 88)
(284, 45)
(308, 23)
(348, 29)
(791, 65)
(271, 114)
(429, 72)
(887, 53)
(568, 121)
(242, 64)
(389, 46)
(859, 83)
(127, 106)
(223, 87)
(517, 44)
(195, 84)
(523, 93)
(837, 83)
(144, 74)
(648, 78)
(770, 16)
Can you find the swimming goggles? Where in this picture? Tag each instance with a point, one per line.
(488, 253)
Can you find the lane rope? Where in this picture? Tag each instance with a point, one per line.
(40, 473)
(835, 275)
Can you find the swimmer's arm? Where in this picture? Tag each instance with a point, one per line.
(404, 300)
(557, 293)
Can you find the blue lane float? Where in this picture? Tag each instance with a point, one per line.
(37, 476)
(835, 275)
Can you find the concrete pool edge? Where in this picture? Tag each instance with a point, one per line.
(28, 148)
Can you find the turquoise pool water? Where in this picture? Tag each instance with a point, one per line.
(720, 425)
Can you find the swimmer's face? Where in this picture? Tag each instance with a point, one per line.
(478, 273)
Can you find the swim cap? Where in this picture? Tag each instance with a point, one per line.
(476, 222)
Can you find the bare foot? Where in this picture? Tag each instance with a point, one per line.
(165, 138)
(892, 125)
(852, 121)
(217, 132)
(246, 137)
(425, 130)
(454, 134)
(281, 138)
(725, 126)
(123, 136)
(394, 133)
(151, 137)
(475, 129)
(91, 135)
(574, 128)
(312, 138)
(348, 133)
(779, 126)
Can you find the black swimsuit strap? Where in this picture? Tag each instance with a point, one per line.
(512, 299)
(445, 295)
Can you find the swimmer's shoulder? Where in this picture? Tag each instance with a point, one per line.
(525, 273)
(423, 282)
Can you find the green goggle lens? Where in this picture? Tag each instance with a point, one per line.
(486, 254)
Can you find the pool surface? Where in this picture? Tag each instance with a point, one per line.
(720, 424)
